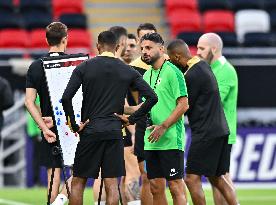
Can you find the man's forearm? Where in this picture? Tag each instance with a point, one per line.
(181, 107)
(35, 113)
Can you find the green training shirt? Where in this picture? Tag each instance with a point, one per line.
(170, 85)
(227, 80)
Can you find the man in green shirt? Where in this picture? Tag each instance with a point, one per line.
(165, 135)
(209, 48)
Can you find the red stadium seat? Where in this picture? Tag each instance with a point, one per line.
(78, 38)
(13, 38)
(171, 5)
(183, 20)
(218, 21)
(65, 6)
(38, 39)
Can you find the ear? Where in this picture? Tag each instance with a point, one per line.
(98, 46)
(117, 47)
(47, 41)
(162, 48)
(214, 50)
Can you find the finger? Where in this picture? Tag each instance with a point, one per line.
(86, 122)
(151, 127)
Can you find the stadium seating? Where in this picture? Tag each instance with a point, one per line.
(172, 5)
(246, 4)
(214, 5)
(229, 39)
(36, 19)
(6, 5)
(257, 39)
(38, 39)
(218, 20)
(38, 5)
(10, 20)
(74, 20)
(269, 5)
(13, 38)
(79, 38)
(65, 6)
(183, 20)
(272, 16)
(251, 21)
(191, 38)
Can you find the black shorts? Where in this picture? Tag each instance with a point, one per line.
(167, 164)
(208, 157)
(91, 155)
(228, 157)
(47, 158)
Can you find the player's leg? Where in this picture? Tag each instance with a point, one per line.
(78, 185)
(225, 188)
(56, 182)
(146, 195)
(62, 197)
(174, 173)
(96, 191)
(131, 180)
(113, 166)
(194, 185)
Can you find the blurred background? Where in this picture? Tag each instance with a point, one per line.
(248, 30)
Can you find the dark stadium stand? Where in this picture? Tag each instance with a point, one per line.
(214, 5)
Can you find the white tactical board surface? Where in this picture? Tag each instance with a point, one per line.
(58, 71)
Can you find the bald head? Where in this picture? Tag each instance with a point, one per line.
(209, 47)
(179, 53)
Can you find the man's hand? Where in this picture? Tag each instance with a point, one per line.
(158, 131)
(82, 125)
(48, 121)
(124, 119)
(49, 135)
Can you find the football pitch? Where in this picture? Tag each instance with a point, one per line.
(37, 196)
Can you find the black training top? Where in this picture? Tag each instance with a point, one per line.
(205, 114)
(36, 79)
(105, 81)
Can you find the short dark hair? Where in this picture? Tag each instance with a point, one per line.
(55, 32)
(118, 31)
(146, 26)
(175, 44)
(131, 36)
(154, 37)
(107, 38)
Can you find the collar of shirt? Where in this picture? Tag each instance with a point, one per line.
(194, 60)
(107, 54)
(220, 61)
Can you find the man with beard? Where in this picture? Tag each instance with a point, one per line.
(165, 136)
(209, 48)
(207, 153)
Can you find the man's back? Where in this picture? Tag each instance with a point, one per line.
(205, 114)
(105, 81)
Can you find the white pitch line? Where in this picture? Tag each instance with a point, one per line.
(9, 202)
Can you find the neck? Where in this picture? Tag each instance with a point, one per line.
(216, 57)
(56, 49)
(158, 64)
(106, 49)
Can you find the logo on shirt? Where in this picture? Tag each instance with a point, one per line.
(173, 172)
(159, 81)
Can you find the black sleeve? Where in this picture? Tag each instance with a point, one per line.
(6, 95)
(34, 75)
(146, 92)
(70, 91)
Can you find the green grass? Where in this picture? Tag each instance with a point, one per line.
(37, 196)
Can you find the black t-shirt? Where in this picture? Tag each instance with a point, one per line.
(105, 82)
(205, 113)
(36, 79)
